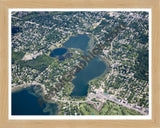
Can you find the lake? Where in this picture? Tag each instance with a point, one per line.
(24, 103)
(58, 52)
(95, 67)
(79, 41)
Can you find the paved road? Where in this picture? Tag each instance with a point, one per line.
(112, 98)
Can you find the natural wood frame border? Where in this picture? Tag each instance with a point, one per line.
(4, 9)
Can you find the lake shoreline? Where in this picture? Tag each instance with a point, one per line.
(22, 88)
(85, 42)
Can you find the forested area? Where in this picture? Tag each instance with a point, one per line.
(141, 65)
(40, 63)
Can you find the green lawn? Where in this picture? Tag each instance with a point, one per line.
(109, 108)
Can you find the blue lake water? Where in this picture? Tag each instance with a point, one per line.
(79, 41)
(58, 52)
(24, 103)
(95, 67)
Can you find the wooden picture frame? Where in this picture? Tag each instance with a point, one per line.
(154, 5)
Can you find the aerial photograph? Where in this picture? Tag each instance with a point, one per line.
(78, 63)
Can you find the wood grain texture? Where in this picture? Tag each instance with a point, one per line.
(6, 4)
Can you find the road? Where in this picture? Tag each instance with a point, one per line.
(112, 98)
